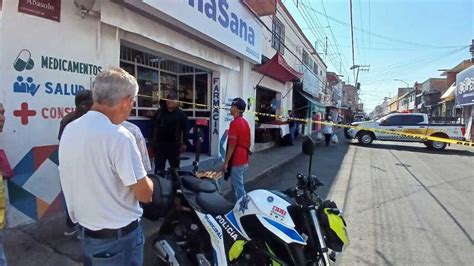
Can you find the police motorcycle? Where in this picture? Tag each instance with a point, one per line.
(265, 227)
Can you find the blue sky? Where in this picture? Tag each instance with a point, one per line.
(399, 39)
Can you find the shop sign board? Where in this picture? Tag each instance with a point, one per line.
(310, 81)
(48, 9)
(227, 22)
(215, 104)
(465, 87)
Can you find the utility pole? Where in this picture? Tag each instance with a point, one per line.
(472, 51)
(352, 37)
(359, 68)
(326, 49)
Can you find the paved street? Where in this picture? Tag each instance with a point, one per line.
(404, 204)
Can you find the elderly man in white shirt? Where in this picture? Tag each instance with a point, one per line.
(102, 174)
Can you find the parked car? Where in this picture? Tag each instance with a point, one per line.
(412, 123)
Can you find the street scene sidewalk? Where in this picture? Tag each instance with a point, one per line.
(396, 198)
(44, 243)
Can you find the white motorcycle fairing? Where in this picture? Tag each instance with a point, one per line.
(216, 236)
(271, 210)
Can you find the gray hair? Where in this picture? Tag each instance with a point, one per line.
(113, 85)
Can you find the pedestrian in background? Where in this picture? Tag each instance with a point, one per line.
(83, 102)
(327, 130)
(102, 175)
(238, 148)
(293, 126)
(170, 134)
(141, 144)
(3, 259)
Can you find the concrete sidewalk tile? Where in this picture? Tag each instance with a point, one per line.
(22, 249)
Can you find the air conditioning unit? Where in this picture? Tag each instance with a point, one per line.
(84, 6)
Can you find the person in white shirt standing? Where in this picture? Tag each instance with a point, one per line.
(102, 174)
(327, 130)
(141, 144)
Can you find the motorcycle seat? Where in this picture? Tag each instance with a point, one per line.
(213, 203)
(198, 185)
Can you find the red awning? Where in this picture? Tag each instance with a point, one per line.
(277, 68)
(262, 7)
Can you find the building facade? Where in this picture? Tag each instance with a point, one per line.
(206, 52)
(431, 91)
(291, 77)
(177, 47)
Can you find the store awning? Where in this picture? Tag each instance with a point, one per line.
(262, 8)
(311, 99)
(277, 68)
(449, 94)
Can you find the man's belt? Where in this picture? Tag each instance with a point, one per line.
(112, 233)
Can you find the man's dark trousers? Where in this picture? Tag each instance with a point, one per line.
(167, 151)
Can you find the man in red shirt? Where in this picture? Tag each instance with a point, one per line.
(238, 145)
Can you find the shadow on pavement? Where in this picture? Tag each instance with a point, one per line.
(326, 164)
(420, 149)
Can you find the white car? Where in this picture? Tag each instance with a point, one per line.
(411, 123)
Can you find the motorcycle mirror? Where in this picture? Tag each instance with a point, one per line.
(308, 146)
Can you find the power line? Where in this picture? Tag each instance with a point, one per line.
(314, 23)
(380, 35)
(369, 34)
(362, 26)
(315, 33)
(423, 60)
(408, 69)
(398, 48)
(286, 47)
(343, 62)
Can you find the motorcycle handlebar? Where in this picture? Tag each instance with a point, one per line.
(310, 183)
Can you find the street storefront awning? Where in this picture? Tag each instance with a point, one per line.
(450, 93)
(318, 106)
(465, 87)
(277, 68)
(262, 8)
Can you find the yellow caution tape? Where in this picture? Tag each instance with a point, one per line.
(398, 133)
(383, 131)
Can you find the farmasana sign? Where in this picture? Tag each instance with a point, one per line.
(465, 87)
(227, 22)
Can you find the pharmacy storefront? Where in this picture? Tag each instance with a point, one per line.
(465, 99)
(201, 50)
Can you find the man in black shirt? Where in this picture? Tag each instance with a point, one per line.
(170, 134)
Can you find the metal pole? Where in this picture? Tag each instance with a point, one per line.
(326, 50)
(352, 34)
